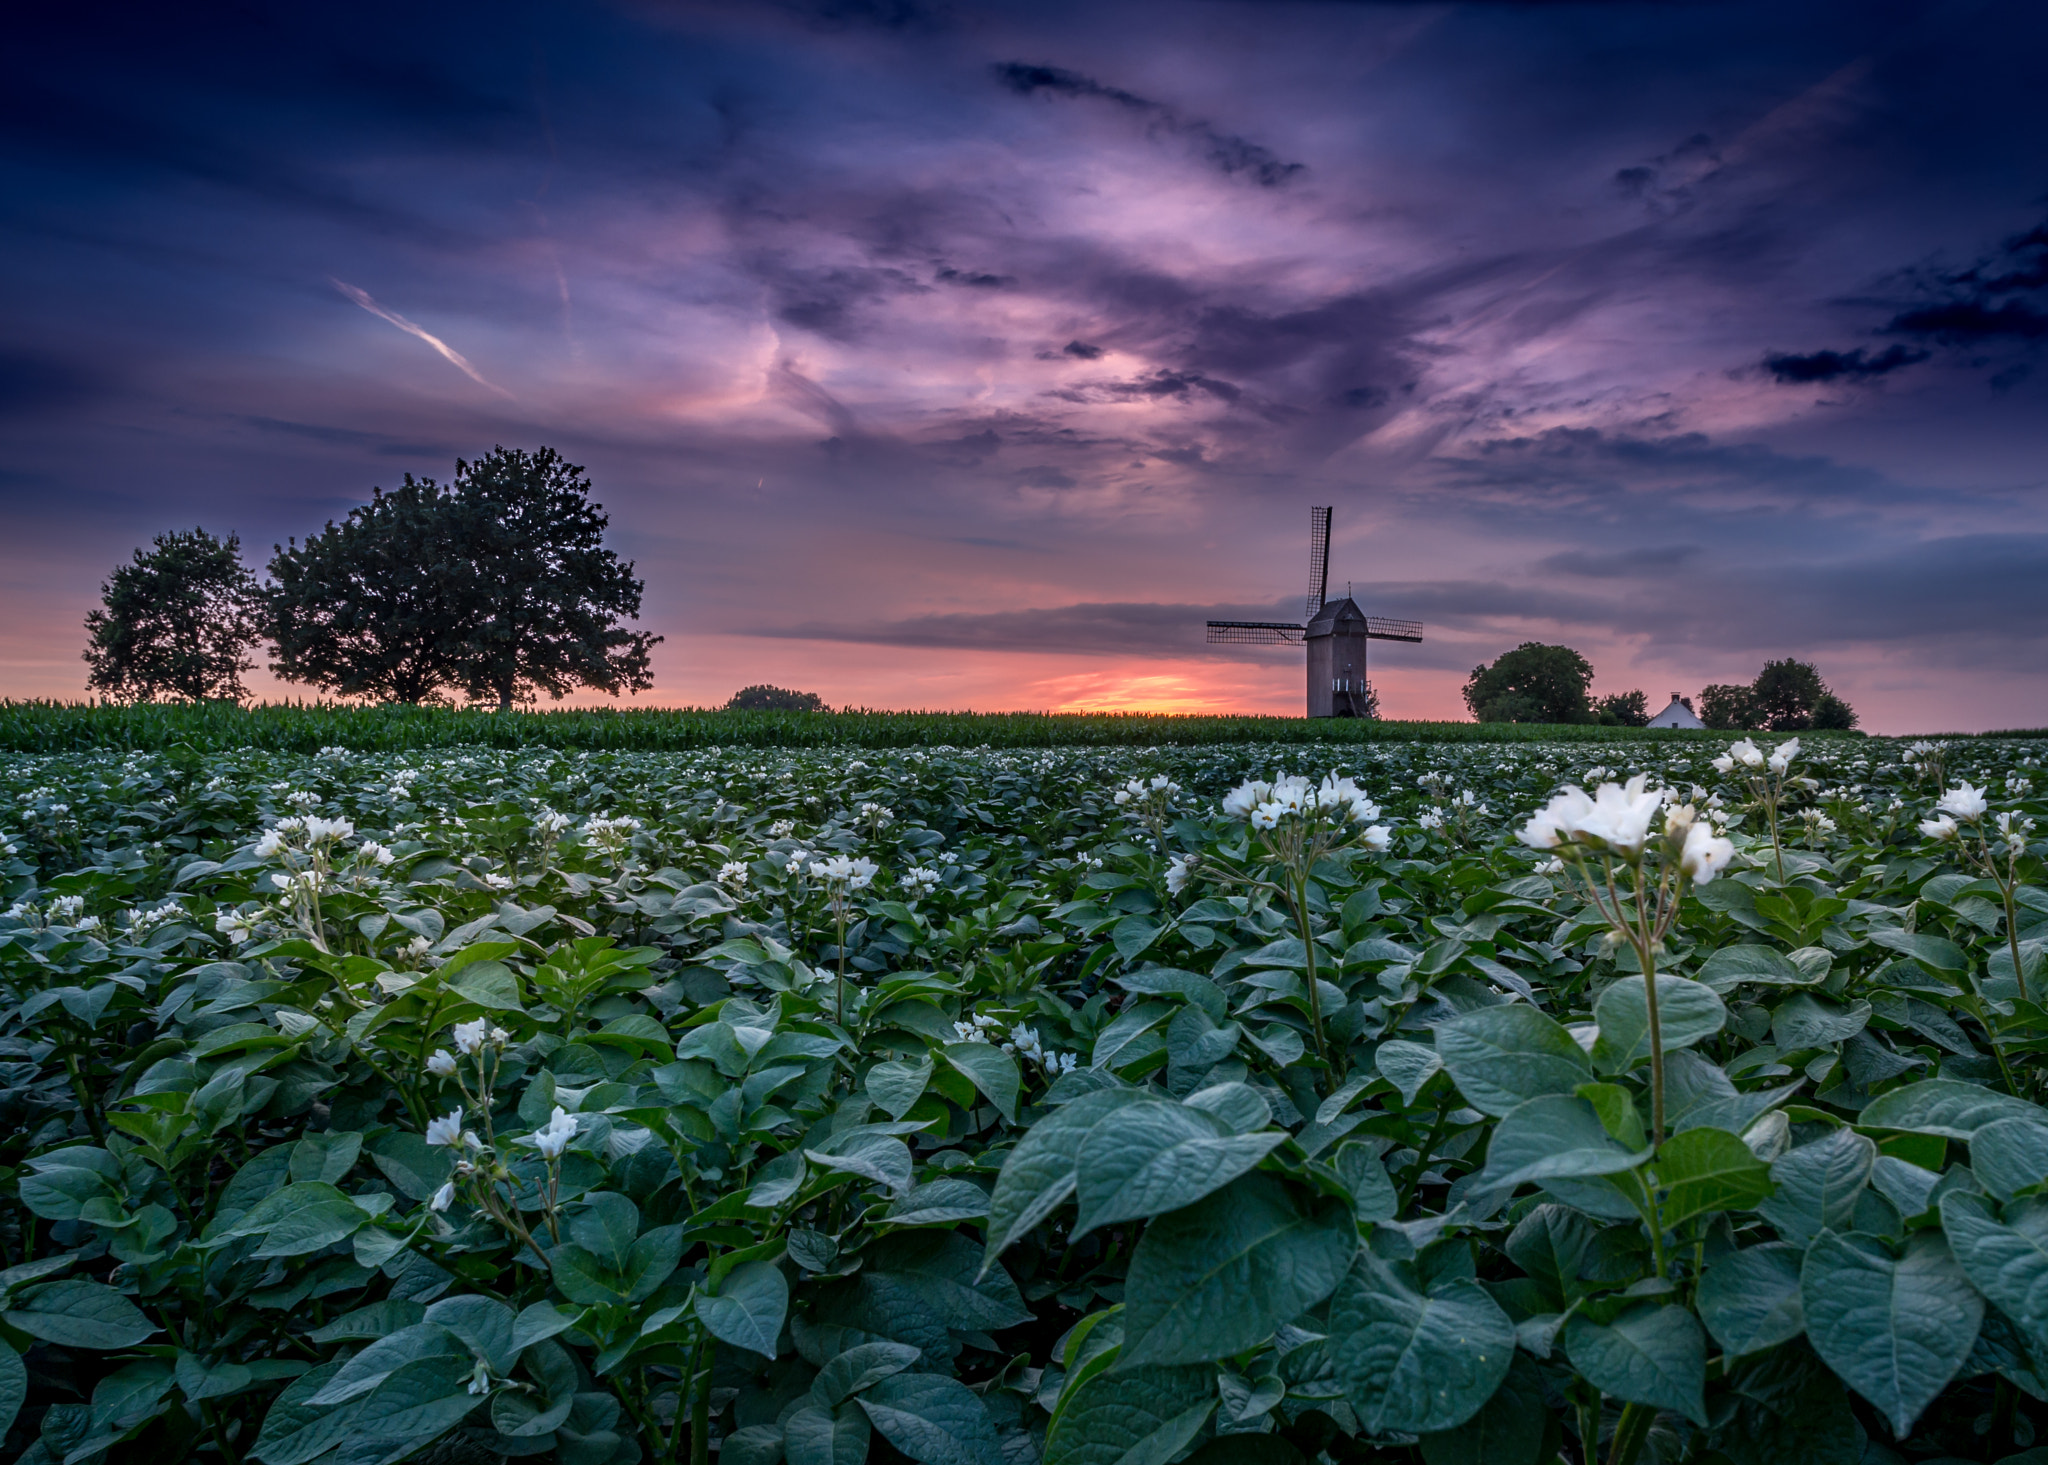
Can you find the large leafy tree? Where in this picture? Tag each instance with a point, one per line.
(543, 598)
(176, 622)
(1787, 696)
(1532, 683)
(375, 606)
(497, 585)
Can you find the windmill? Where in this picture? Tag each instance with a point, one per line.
(1336, 634)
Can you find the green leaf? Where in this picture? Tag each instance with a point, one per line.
(938, 1202)
(1508, 1429)
(749, 1308)
(942, 1268)
(1131, 936)
(1144, 1417)
(1156, 1157)
(79, 1314)
(825, 1436)
(1619, 1116)
(1040, 1172)
(932, 1419)
(757, 1444)
(368, 1369)
(411, 1409)
(848, 1373)
(1947, 1107)
(1749, 1299)
(1501, 1057)
(1416, 1362)
(484, 1324)
(1649, 1355)
(1805, 1021)
(1896, 1331)
(1726, 969)
(489, 984)
(1705, 1170)
(2010, 1155)
(2008, 1262)
(1686, 1013)
(1556, 1136)
(1219, 1276)
(1937, 953)
(13, 1388)
(881, 1158)
(1552, 1244)
(896, 1086)
(1373, 1195)
(417, 1168)
(1407, 1066)
(325, 1157)
(1818, 1185)
(296, 1430)
(992, 1071)
(303, 1217)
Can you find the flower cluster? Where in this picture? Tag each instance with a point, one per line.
(919, 880)
(1267, 805)
(1616, 819)
(1018, 1039)
(733, 873)
(845, 873)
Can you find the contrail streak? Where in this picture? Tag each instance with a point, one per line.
(461, 362)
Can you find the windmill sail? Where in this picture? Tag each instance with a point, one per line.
(1254, 633)
(1318, 559)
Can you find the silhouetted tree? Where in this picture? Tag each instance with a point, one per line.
(498, 585)
(376, 605)
(1624, 709)
(764, 698)
(1532, 683)
(1784, 695)
(1726, 706)
(544, 597)
(176, 622)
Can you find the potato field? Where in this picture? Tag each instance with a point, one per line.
(1244, 1104)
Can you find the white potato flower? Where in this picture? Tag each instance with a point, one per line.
(441, 1063)
(447, 1130)
(469, 1036)
(1963, 801)
(553, 1137)
(1940, 827)
(444, 1197)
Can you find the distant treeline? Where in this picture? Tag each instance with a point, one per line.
(52, 727)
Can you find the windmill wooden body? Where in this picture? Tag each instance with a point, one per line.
(1337, 634)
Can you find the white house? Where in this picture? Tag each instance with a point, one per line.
(1678, 714)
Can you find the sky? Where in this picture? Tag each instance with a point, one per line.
(928, 353)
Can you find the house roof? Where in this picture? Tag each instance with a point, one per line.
(1676, 715)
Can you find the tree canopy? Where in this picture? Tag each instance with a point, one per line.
(497, 585)
(1787, 696)
(374, 606)
(176, 622)
(764, 698)
(1532, 683)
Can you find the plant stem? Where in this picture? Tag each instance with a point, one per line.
(700, 1406)
(1629, 1434)
(1308, 948)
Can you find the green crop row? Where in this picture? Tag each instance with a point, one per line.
(306, 727)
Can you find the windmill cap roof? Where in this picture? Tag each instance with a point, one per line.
(1339, 608)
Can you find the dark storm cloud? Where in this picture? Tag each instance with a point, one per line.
(1853, 366)
(1226, 152)
(2000, 301)
(2004, 296)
